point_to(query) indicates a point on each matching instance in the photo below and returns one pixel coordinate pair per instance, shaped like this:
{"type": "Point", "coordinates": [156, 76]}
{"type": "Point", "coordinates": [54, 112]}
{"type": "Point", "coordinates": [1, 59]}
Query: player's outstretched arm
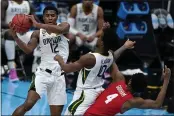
{"type": "Point", "coordinates": [116, 74]}
{"type": "Point", "coordinates": [27, 48]}
{"type": "Point", "coordinates": [127, 45]}
{"type": "Point", "coordinates": [100, 20]}
{"type": "Point", "coordinates": [62, 28]}
{"type": "Point", "coordinates": [144, 104]}
{"type": "Point", "coordinates": [87, 61]}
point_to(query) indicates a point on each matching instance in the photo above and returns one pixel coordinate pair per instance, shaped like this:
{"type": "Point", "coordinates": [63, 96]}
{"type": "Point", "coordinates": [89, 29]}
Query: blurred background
{"type": "Point", "coordinates": [150, 23]}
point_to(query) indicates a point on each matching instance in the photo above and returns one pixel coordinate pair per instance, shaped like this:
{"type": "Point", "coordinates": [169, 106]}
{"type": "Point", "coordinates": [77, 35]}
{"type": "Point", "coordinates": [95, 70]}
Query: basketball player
{"type": "Point", "coordinates": [8, 10]}
{"type": "Point", "coordinates": [92, 66]}
{"type": "Point", "coordinates": [118, 97]}
{"type": "Point", "coordinates": [85, 18]}
{"type": "Point", "coordinates": [48, 77]}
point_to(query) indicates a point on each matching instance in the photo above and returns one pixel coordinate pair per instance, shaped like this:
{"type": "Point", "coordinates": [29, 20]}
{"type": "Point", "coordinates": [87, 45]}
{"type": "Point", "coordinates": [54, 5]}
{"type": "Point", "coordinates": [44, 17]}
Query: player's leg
{"type": "Point", "coordinates": [37, 88]}
{"type": "Point", "coordinates": [56, 93]}
{"type": "Point", "coordinates": [31, 100]}
{"type": "Point", "coordinates": [56, 110]}
{"type": "Point", "coordinates": [85, 100]}
{"type": "Point", "coordinates": [10, 53]}
{"type": "Point", "coordinates": [91, 45]}
{"type": "Point", "coordinates": [77, 95]}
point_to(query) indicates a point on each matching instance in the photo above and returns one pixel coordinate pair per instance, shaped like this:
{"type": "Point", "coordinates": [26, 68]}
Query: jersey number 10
{"type": "Point", "coordinates": [102, 70]}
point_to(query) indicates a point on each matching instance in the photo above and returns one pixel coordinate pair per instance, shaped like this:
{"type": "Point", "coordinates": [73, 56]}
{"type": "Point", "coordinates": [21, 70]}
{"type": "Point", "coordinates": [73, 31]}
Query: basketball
{"type": "Point", "coordinates": [22, 23]}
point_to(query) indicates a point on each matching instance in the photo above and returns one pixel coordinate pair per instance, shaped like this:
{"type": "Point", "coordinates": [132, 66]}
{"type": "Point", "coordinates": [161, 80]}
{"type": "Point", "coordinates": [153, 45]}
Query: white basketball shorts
{"type": "Point", "coordinates": [54, 86]}
{"type": "Point", "coordinates": [82, 100]}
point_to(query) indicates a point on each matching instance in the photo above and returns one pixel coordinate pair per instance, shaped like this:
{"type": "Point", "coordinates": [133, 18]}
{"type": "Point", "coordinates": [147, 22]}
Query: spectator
{"type": "Point", "coordinates": [84, 20]}
{"type": "Point", "coordinates": [9, 9]}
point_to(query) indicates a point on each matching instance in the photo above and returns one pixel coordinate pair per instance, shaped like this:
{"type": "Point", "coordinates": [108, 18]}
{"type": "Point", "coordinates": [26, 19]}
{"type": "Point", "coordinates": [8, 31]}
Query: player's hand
{"type": "Point", "coordinates": [129, 44]}
{"type": "Point", "coordinates": [12, 30]}
{"type": "Point", "coordinates": [82, 37]}
{"type": "Point", "coordinates": [90, 38]}
{"type": "Point", "coordinates": [106, 25]}
{"type": "Point", "coordinates": [166, 73]}
{"type": "Point", "coordinates": [58, 58]}
{"type": "Point", "coordinates": [35, 23]}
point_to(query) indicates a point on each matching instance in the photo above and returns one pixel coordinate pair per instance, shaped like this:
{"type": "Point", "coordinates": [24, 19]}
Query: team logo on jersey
{"type": "Point", "coordinates": [43, 32]}
{"type": "Point", "coordinates": [53, 40]}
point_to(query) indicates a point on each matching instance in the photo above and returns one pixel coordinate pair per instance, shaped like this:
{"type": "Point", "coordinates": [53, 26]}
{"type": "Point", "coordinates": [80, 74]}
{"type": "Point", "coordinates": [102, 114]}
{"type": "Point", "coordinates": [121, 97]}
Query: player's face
{"type": "Point", "coordinates": [50, 17]}
{"type": "Point", "coordinates": [87, 3]}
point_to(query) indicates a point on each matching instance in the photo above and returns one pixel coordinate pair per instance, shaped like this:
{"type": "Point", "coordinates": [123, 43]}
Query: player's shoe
{"type": "Point", "coordinates": [13, 75]}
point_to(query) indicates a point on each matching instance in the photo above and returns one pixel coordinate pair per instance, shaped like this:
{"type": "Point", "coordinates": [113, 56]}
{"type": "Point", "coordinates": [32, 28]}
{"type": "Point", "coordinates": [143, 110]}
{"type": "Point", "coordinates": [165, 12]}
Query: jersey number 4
{"type": "Point", "coordinates": [109, 98]}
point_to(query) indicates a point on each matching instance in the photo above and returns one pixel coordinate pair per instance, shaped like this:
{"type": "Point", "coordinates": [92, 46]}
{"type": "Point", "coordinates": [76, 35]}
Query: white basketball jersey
{"type": "Point", "coordinates": [50, 45]}
{"type": "Point", "coordinates": [86, 24]}
{"type": "Point", "coordinates": [92, 78]}
{"type": "Point", "coordinates": [15, 8]}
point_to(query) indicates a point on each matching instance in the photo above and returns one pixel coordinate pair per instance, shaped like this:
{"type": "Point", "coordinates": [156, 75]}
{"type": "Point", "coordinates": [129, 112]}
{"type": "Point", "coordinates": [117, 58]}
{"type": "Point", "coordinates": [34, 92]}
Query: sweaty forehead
{"type": "Point", "coordinates": [50, 12]}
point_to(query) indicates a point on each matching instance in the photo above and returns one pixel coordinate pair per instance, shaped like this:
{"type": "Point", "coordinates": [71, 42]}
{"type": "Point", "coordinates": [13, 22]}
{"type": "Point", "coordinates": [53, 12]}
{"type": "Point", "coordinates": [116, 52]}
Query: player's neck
{"type": "Point", "coordinates": [101, 51]}
{"type": "Point", "coordinates": [87, 10]}
{"type": "Point", "coordinates": [18, 1]}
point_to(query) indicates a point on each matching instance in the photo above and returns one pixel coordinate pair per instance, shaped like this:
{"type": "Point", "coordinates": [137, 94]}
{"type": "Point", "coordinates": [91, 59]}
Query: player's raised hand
{"type": "Point", "coordinates": [166, 73]}
{"type": "Point", "coordinates": [106, 25]}
{"type": "Point", "coordinates": [129, 44]}
{"type": "Point", "coordinates": [35, 23]}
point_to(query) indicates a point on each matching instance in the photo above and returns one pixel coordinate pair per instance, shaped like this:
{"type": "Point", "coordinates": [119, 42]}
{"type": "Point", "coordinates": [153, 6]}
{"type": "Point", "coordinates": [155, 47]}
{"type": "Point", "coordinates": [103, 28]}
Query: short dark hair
{"type": "Point", "coordinates": [50, 8]}
{"type": "Point", "coordinates": [110, 39]}
{"type": "Point", "coordinates": [138, 83]}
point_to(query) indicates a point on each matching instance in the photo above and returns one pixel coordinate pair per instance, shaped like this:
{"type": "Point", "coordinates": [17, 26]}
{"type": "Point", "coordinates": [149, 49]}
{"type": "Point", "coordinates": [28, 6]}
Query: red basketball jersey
{"type": "Point", "coordinates": [110, 101]}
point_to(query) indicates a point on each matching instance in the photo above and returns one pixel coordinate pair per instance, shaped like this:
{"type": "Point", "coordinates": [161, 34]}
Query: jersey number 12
{"type": "Point", "coordinates": [110, 98]}
{"type": "Point", "coordinates": [54, 48]}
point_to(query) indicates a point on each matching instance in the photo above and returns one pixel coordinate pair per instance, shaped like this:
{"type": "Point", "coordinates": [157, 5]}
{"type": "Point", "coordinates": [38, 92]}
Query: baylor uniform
{"type": "Point", "coordinates": [49, 77]}
{"type": "Point", "coordinates": [89, 85]}
{"type": "Point", "coordinates": [15, 8]}
{"type": "Point", "coordinates": [86, 24]}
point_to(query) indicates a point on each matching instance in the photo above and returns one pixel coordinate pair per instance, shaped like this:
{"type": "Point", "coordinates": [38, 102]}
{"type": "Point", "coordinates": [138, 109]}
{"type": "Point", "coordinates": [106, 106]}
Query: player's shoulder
{"type": "Point", "coordinates": [36, 33]}
{"type": "Point", "coordinates": [100, 8]}
{"type": "Point", "coordinates": [88, 60]}
{"type": "Point", "coordinates": [88, 56]}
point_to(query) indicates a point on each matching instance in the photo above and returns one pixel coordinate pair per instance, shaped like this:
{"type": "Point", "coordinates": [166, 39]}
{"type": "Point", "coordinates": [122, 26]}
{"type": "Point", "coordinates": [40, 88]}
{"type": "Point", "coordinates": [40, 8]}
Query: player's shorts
{"type": "Point", "coordinates": [82, 100]}
{"type": "Point", "coordinates": [44, 82]}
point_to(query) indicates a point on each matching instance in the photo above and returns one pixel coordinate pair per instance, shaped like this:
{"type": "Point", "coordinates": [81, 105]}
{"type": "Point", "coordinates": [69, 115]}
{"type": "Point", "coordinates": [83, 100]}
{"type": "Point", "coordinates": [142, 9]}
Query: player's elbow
{"type": "Point", "coordinates": [66, 69]}
{"type": "Point", "coordinates": [157, 105]}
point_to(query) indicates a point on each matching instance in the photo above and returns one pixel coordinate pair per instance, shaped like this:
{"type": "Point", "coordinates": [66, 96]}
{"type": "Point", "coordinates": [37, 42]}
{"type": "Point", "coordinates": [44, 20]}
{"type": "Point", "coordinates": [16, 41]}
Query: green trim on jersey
{"type": "Point", "coordinates": [72, 108]}
{"type": "Point", "coordinates": [32, 85]}
{"type": "Point", "coordinates": [84, 74]}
